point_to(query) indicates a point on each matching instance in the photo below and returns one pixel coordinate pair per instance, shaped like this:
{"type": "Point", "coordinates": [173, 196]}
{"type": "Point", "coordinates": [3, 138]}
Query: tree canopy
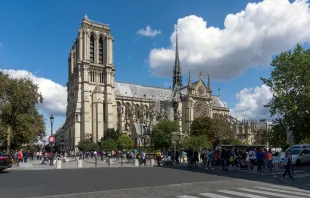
{"type": "Point", "coordinates": [108, 144]}
{"type": "Point", "coordinates": [124, 142]}
{"type": "Point", "coordinates": [162, 133]}
{"type": "Point", "coordinates": [290, 83]}
{"type": "Point", "coordinates": [197, 142]}
{"type": "Point", "coordinates": [18, 100]}
{"type": "Point", "coordinates": [219, 127]}
{"type": "Point", "coordinates": [87, 145]}
{"type": "Point", "coordinates": [111, 133]}
{"type": "Point", "coordinates": [202, 126]}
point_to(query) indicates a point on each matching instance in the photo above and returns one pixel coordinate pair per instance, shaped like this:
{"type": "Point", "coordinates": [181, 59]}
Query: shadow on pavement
{"type": "Point", "coordinates": [239, 174]}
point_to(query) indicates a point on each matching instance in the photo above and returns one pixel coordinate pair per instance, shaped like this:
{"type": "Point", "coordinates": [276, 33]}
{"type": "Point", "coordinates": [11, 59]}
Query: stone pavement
{"type": "Point", "coordinates": [72, 164]}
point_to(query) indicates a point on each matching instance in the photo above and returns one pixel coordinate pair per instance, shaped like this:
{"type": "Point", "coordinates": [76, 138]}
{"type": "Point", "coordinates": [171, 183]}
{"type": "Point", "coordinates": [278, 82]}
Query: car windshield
{"type": "Point", "coordinates": [294, 151]}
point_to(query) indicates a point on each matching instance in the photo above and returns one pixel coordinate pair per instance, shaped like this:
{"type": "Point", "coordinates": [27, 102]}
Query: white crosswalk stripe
{"type": "Point", "coordinates": [268, 173]}
{"type": "Point", "coordinates": [212, 195]}
{"type": "Point", "coordinates": [255, 192]}
{"type": "Point", "coordinates": [270, 193]}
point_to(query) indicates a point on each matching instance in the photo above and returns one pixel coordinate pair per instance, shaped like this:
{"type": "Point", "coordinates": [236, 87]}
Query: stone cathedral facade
{"type": "Point", "coordinates": [96, 102]}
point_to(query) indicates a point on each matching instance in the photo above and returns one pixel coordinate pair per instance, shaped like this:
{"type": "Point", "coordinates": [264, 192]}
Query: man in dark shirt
{"type": "Point", "coordinates": [190, 154]}
{"type": "Point", "coordinates": [260, 159]}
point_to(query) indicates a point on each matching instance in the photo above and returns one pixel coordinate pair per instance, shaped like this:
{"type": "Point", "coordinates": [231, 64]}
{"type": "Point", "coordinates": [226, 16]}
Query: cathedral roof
{"type": "Point", "coordinates": [154, 93]}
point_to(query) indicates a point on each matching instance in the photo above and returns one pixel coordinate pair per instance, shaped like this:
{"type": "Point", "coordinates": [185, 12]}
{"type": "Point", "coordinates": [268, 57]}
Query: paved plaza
{"type": "Point", "coordinates": [159, 182]}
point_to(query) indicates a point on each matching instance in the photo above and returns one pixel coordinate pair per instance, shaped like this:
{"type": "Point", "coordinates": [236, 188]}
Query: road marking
{"type": "Point", "coordinates": [280, 172]}
{"type": "Point", "coordinates": [241, 194]}
{"type": "Point", "coordinates": [269, 193]}
{"type": "Point", "coordinates": [302, 176]}
{"type": "Point", "coordinates": [212, 195]}
{"type": "Point", "coordinates": [289, 188]}
{"type": "Point", "coordinates": [284, 191]}
{"type": "Point", "coordinates": [150, 187]}
{"type": "Point", "coordinates": [186, 196]}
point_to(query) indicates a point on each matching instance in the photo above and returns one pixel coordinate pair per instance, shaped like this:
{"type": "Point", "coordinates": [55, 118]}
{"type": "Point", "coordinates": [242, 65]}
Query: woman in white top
{"type": "Point", "coordinates": [276, 161]}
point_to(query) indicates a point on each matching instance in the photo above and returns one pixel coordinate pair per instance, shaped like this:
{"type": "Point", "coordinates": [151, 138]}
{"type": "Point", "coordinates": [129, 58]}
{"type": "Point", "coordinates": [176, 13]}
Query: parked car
{"type": "Point", "coordinates": [299, 156]}
{"type": "Point", "coordinates": [5, 161]}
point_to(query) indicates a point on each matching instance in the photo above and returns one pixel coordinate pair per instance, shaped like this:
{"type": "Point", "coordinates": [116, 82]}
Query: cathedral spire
{"type": "Point", "coordinates": [177, 71]}
{"type": "Point", "coordinates": [189, 84]}
{"type": "Point", "coordinates": [209, 83]}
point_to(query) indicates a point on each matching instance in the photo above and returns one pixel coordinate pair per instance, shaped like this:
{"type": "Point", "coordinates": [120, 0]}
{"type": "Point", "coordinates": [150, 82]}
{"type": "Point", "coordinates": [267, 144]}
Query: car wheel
{"type": "Point", "coordinates": [298, 162]}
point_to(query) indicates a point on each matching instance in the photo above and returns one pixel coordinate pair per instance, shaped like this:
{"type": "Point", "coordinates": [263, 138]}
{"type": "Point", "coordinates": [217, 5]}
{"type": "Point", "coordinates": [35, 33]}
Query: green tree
{"type": "Point", "coordinates": [196, 142]}
{"type": "Point", "coordinates": [124, 142]}
{"type": "Point", "coordinates": [202, 126]}
{"type": "Point", "coordinates": [290, 83]}
{"type": "Point", "coordinates": [222, 129]}
{"type": "Point", "coordinates": [112, 134]}
{"type": "Point", "coordinates": [88, 145]}
{"type": "Point", "coordinates": [18, 100]}
{"type": "Point", "coordinates": [277, 136]}
{"type": "Point", "coordinates": [108, 144]}
{"type": "Point", "coordinates": [162, 133]}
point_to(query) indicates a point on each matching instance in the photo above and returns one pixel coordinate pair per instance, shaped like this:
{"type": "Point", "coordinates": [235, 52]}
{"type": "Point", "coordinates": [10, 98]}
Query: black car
{"type": "Point", "coordinates": [5, 161]}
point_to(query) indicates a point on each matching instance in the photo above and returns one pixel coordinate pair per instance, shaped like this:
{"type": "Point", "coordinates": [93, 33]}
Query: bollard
{"type": "Point", "coordinates": [122, 162]}
{"type": "Point", "coordinates": [136, 162]}
{"type": "Point", "coordinates": [79, 163]}
{"type": "Point", "coordinates": [110, 162]}
{"type": "Point", "coordinates": [151, 162]}
{"type": "Point", "coordinates": [58, 164]}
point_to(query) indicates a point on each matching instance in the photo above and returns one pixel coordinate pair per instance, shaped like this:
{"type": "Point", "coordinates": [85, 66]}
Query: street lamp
{"type": "Point", "coordinates": [52, 122]}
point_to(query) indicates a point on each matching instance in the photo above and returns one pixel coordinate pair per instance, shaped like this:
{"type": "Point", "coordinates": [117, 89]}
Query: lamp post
{"type": "Point", "coordinates": [52, 122]}
{"type": "Point", "coordinates": [52, 157]}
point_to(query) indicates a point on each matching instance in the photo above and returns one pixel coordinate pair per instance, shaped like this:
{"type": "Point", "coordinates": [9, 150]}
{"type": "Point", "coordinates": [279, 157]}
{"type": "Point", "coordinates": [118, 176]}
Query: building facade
{"type": "Point", "coordinates": [95, 102]}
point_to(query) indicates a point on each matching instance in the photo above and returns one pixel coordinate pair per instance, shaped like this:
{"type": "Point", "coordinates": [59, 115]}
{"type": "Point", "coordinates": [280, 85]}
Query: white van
{"type": "Point", "coordinates": [298, 146]}
{"type": "Point", "coordinates": [295, 149]}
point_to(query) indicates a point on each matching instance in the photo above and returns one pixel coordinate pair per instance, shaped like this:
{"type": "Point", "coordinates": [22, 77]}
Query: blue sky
{"type": "Point", "coordinates": [37, 35]}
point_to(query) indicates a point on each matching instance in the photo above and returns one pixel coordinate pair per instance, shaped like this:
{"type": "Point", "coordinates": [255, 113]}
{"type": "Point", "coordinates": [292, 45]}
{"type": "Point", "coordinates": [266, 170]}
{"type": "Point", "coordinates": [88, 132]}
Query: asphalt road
{"type": "Point", "coordinates": [128, 182]}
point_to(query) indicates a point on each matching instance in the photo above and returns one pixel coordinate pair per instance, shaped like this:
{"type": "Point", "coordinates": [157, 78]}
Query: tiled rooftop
{"type": "Point", "coordinates": [153, 93]}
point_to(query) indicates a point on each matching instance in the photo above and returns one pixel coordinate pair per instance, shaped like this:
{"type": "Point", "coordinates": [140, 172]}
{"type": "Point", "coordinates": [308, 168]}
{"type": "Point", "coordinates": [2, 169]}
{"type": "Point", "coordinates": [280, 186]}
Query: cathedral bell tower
{"type": "Point", "coordinates": [91, 95]}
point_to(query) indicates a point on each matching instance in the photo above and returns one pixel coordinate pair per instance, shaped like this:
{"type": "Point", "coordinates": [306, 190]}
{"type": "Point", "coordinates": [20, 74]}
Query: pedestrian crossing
{"type": "Point", "coordinates": [270, 173]}
{"type": "Point", "coordinates": [254, 192]}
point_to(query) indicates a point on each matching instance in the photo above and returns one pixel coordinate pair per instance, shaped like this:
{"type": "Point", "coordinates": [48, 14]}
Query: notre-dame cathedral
{"type": "Point", "coordinates": [96, 102]}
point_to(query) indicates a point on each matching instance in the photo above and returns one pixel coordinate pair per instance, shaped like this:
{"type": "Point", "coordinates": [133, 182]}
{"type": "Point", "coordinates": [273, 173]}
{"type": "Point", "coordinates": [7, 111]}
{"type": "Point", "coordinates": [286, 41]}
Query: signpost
{"type": "Point", "coordinates": [51, 140]}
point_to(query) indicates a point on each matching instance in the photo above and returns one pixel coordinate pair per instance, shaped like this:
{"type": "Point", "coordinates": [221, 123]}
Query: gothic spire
{"type": "Point", "coordinates": [209, 83]}
{"type": "Point", "coordinates": [177, 71]}
{"type": "Point", "coordinates": [189, 84]}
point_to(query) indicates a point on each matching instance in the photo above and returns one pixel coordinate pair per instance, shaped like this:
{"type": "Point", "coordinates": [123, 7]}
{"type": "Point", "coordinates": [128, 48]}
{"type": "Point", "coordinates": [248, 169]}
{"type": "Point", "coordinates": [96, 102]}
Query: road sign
{"type": "Point", "coordinates": [51, 139]}
{"type": "Point", "coordinates": [212, 140]}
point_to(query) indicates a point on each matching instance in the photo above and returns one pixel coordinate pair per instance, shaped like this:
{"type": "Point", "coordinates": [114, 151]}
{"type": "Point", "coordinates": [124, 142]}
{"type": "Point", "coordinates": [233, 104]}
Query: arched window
{"type": "Point", "coordinates": [100, 51]}
{"type": "Point", "coordinates": [91, 49]}
{"type": "Point", "coordinates": [101, 77]}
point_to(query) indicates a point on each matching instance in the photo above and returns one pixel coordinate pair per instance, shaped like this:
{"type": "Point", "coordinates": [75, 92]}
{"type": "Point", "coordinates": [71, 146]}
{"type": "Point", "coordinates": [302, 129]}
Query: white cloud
{"type": "Point", "coordinates": [54, 94]}
{"type": "Point", "coordinates": [148, 32]}
{"type": "Point", "coordinates": [251, 103]}
{"type": "Point", "coordinates": [249, 38]}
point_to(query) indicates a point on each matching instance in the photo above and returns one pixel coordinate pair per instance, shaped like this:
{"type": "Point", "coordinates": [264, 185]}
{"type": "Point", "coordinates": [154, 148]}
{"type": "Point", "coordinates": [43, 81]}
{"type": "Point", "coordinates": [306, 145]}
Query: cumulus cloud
{"type": "Point", "coordinates": [148, 32]}
{"type": "Point", "coordinates": [54, 94]}
{"type": "Point", "coordinates": [249, 38]}
{"type": "Point", "coordinates": [251, 103]}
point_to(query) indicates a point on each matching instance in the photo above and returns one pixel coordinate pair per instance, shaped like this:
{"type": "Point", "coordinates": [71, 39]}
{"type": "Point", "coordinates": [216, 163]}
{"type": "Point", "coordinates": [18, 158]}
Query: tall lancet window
{"type": "Point", "coordinates": [101, 77]}
{"type": "Point", "coordinates": [91, 49]}
{"type": "Point", "coordinates": [100, 51]}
